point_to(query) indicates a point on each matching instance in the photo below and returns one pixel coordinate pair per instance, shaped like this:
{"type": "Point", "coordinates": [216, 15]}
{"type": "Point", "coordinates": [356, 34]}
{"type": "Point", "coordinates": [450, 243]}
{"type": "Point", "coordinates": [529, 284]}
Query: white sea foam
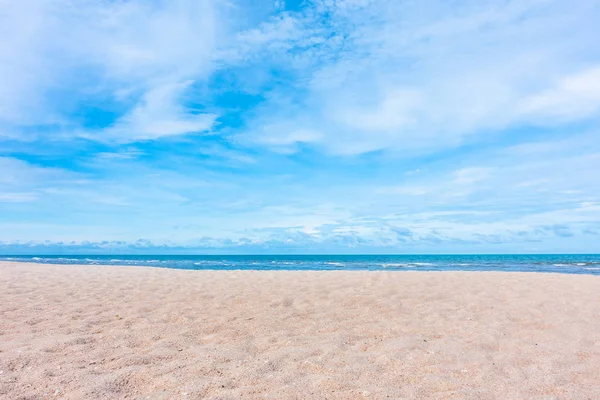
{"type": "Point", "coordinates": [398, 265]}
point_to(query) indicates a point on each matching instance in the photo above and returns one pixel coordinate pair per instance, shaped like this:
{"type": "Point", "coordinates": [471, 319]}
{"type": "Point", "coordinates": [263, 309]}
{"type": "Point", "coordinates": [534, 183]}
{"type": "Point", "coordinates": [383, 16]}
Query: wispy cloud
{"type": "Point", "coordinates": [159, 113]}
{"type": "Point", "coordinates": [400, 76]}
{"type": "Point", "coordinates": [136, 55]}
{"type": "Point", "coordinates": [573, 98]}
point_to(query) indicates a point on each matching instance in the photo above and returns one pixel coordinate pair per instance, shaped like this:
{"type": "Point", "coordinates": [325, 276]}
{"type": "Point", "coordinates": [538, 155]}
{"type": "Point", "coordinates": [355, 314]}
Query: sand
{"type": "Point", "coordinates": [92, 332]}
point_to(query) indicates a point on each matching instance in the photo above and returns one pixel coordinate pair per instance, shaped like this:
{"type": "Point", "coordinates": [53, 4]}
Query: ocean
{"type": "Point", "coordinates": [569, 264]}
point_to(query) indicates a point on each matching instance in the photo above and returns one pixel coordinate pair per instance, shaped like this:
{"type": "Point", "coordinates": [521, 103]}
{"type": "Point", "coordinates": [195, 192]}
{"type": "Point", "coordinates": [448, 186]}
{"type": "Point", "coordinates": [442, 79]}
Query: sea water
{"type": "Point", "coordinates": [571, 264]}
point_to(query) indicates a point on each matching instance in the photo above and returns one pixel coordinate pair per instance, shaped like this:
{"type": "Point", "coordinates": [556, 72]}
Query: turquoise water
{"type": "Point", "coordinates": [570, 264]}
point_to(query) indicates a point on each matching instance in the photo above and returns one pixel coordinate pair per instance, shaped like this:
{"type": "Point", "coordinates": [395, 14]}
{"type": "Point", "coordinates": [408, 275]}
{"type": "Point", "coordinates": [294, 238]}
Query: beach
{"type": "Point", "coordinates": [109, 332]}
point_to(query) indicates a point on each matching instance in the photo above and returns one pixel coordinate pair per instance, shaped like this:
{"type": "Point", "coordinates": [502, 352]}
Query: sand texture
{"type": "Point", "coordinates": [90, 332]}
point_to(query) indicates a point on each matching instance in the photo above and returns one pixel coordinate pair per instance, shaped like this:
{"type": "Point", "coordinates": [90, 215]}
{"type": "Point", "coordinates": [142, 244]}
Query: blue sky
{"type": "Point", "coordinates": [331, 126]}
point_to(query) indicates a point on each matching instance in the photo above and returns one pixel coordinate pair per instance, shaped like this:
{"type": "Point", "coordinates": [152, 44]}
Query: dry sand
{"type": "Point", "coordinates": [89, 332]}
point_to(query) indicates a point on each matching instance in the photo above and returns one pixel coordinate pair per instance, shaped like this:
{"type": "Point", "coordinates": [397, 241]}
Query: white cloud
{"type": "Point", "coordinates": [574, 97]}
{"type": "Point", "coordinates": [425, 77]}
{"type": "Point", "coordinates": [138, 54]}
{"type": "Point", "coordinates": [404, 190]}
{"type": "Point", "coordinates": [285, 138]}
{"type": "Point", "coordinates": [480, 202]}
{"type": "Point", "coordinates": [159, 113]}
{"type": "Point", "coordinates": [396, 111]}
{"type": "Point", "coordinates": [17, 197]}
{"type": "Point", "coordinates": [369, 76]}
{"type": "Point", "coordinates": [20, 182]}
{"type": "Point", "coordinates": [18, 173]}
{"type": "Point", "coordinates": [471, 175]}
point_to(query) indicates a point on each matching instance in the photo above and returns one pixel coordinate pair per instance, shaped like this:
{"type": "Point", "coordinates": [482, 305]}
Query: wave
{"type": "Point", "coordinates": [399, 265]}
{"type": "Point", "coordinates": [576, 264]}
{"type": "Point", "coordinates": [563, 264]}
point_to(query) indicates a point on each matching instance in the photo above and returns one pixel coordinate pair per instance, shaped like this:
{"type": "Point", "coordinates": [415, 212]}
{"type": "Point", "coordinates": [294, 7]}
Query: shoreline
{"type": "Point", "coordinates": [341, 269]}
{"type": "Point", "coordinates": [92, 332]}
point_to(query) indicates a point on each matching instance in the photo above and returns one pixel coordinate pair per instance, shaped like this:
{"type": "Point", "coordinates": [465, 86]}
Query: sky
{"type": "Point", "coordinates": [325, 126]}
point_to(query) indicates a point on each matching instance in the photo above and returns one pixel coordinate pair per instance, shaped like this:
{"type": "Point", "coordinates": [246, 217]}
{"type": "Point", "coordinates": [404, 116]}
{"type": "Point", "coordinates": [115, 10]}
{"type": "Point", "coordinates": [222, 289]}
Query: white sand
{"type": "Point", "coordinates": [83, 332]}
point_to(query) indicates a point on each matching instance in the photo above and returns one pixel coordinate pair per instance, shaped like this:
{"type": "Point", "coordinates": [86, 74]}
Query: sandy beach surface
{"type": "Point", "coordinates": [90, 332]}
